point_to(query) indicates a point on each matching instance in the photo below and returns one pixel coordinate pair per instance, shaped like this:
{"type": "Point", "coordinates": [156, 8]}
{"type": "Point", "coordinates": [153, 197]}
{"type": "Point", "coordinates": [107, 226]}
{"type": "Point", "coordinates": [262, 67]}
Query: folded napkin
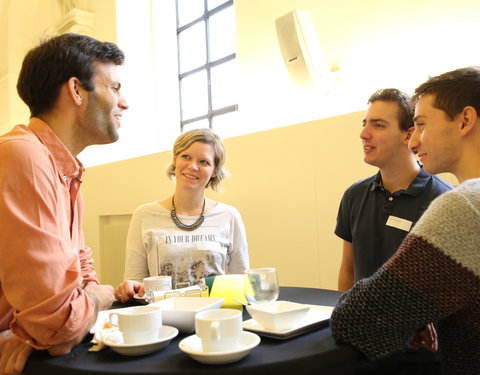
{"type": "Point", "coordinates": [107, 329]}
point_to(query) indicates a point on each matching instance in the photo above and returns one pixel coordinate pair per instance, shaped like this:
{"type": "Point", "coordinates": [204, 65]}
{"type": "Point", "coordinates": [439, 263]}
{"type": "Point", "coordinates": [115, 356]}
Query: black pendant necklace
{"type": "Point", "coordinates": [182, 226]}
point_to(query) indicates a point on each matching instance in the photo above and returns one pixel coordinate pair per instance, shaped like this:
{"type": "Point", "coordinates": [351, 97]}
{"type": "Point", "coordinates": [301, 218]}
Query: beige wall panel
{"type": "Point", "coordinates": [273, 187]}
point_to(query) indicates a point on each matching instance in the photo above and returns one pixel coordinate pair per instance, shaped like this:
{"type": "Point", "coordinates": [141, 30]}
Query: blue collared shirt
{"type": "Point", "coordinates": [367, 206]}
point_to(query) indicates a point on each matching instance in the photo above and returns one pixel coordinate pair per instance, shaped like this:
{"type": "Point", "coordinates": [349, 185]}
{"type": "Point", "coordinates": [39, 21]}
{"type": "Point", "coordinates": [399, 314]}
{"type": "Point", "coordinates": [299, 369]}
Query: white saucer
{"type": "Point", "coordinates": [136, 296]}
{"type": "Point", "coordinates": [193, 347]}
{"type": "Point", "coordinates": [115, 341]}
{"type": "Point", "coordinates": [142, 300]}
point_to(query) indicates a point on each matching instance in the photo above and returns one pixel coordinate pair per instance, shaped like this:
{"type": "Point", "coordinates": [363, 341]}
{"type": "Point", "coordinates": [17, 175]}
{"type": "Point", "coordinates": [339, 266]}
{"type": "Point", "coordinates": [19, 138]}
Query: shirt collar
{"type": "Point", "coordinates": [414, 189]}
{"type": "Point", "coordinates": [376, 182]}
{"type": "Point", "coordinates": [419, 182]}
{"type": "Point", "coordinates": [67, 164]}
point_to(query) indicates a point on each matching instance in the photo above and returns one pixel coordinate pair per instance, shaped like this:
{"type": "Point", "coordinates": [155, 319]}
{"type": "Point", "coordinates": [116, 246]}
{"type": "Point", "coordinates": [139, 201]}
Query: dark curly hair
{"type": "Point", "coordinates": [54, 61]}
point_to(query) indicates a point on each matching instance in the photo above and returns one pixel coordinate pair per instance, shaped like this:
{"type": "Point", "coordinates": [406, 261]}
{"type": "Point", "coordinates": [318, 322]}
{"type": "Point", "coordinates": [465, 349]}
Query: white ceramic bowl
{"type": "Point", "coordinates": [278, 315]}
{"type": "Point", "coordinates": [180, 312]}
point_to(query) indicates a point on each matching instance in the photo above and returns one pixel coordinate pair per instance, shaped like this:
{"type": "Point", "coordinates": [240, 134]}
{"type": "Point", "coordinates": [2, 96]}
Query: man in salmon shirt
{"type": "Point", "coordinates": [49, 292]}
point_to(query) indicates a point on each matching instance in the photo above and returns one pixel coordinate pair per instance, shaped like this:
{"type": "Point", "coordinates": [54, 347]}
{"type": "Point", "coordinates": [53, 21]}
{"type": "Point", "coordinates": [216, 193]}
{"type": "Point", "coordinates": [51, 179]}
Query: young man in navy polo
{"type": "Point", "coordinates": [376, 213]}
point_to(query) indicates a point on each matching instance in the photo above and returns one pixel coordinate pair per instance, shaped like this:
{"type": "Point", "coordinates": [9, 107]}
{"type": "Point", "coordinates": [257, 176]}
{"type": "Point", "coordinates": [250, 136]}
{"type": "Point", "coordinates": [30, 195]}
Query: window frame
{"type": "Point", "coordinates": [211, 113]}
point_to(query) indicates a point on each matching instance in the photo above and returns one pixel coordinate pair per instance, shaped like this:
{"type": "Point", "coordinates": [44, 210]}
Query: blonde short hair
{"type": "Point", "coordinates": [207, 136]}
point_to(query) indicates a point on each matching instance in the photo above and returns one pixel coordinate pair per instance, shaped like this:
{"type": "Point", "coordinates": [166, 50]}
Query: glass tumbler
{"type": "Point", "coordinates": [261, 285]}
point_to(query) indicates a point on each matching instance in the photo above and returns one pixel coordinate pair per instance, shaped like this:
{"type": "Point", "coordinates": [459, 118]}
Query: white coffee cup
{"type": "Point", "coordinates": [219, 329]}
{"type": "Point", "coordinates": [138, 324]}
{"type": "Point", "coordinates": [157, 283]}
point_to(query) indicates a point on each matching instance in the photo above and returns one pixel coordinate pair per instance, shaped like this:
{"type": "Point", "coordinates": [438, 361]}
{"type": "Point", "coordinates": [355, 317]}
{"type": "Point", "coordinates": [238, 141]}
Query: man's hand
{"type": "Point", "coordinates": [126, 290]}
{"type": "Point", "coordinates": [103, 297]}
{"type": "Point", "coordinates": [427, 338]}
{"type": "Point", "coordinates": [13, 353]}
{"type": "Point", "coordinates": [101, 294]}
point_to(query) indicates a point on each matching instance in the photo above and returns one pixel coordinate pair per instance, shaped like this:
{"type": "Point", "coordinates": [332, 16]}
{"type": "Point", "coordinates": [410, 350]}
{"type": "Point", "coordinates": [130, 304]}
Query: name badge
{"type": "Point", "coordinates": [399, 223]}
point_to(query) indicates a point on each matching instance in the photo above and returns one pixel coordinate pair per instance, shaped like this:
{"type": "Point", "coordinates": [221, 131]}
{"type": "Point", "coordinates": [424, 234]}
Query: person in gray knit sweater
{"type": "Point", "coordinates": [432, 283]}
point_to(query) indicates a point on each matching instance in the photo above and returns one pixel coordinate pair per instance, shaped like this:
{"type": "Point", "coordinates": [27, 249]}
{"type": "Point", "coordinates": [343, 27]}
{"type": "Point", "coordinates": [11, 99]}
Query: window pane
{"type": "Point", "coordinates": [189, 10]}
{"type": "Point", "coordinates": [192, 47]}
{"type": "Point", "coordinates": [222, 34]}
{"type": "Point", "coordinates": [195, 125]}
{"type": "Point", "coordinates": [215, 3]}
{"type": "Point", "coordinates": [226, 125]}
{"type": "Point", "coordinates": [194, 95]}
{"type": "Point", "coordinates": [224, 84]}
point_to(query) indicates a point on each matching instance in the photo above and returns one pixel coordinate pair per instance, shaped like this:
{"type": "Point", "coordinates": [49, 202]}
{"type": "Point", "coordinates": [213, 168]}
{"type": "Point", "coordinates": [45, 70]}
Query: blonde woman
{"type": "Point", "coordinates": [186, 236]}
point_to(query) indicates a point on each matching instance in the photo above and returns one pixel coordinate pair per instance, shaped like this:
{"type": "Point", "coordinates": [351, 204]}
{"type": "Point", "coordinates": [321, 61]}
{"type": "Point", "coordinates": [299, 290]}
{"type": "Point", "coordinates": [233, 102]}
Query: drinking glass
{"type": "Point", "coordinates": [261, 285]}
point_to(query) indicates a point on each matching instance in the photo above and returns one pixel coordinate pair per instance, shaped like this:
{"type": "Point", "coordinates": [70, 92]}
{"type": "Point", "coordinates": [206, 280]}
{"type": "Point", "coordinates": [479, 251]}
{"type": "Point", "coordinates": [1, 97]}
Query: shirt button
{"type": "Point", "coordinates": [390, 199]}
{"type": "Point", "coordinates": [64, 178]}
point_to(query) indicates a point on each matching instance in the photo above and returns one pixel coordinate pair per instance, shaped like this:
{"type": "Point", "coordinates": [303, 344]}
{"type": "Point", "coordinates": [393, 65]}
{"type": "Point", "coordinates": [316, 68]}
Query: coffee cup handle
{"type": "Point", "coordinates": [114, 323]}
{"type": "Point", "coordinates": [215, 330]}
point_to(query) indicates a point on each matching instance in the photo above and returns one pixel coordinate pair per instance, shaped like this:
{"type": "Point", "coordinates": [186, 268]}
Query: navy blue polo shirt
{"type": "Point", "coordinates": [367, 206]}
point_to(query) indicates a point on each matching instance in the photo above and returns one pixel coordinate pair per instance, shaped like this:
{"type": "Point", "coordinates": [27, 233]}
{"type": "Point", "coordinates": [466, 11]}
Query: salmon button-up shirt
{"type": "Point", "coordinates": [44, 262]}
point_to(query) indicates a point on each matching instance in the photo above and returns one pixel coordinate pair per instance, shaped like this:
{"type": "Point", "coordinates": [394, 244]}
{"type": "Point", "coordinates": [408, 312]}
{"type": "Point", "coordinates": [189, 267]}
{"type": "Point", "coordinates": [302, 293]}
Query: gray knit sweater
{"type": "Point", "coordinates": [433, 277]}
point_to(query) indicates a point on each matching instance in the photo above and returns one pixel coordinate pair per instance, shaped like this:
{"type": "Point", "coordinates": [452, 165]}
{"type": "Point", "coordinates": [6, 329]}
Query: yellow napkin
{"type": "Point", "coordinates": [227, 287]}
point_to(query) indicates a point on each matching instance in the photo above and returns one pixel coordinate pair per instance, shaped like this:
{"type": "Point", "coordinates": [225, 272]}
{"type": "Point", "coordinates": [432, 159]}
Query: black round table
{"type": "Point", "coordinates": [314, 352]}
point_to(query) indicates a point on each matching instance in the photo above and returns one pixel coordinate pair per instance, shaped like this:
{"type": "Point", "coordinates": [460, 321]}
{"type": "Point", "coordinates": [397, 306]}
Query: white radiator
{"type": "Point", "coordinates": [113, 236]}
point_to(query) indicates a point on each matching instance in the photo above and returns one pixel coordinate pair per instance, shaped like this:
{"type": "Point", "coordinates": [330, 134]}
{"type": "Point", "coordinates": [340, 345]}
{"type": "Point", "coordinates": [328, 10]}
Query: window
{"type": "Point", "coordinates": [206, 63]}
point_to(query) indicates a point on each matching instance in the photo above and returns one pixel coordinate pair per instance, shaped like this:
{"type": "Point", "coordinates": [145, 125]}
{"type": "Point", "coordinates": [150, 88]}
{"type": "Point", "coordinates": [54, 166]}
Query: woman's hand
{"type": "Point", "coordinates": [126, 290]}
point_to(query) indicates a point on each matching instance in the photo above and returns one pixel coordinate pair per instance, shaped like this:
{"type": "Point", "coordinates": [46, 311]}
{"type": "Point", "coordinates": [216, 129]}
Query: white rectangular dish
{"type": "Point", "coordinates": [318, 316]}
{"type": "Point", "coordinates": [179, 312]}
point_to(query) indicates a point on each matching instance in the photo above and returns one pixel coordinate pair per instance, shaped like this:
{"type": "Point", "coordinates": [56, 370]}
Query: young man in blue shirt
{"type": "Point", "coordinates": [376, 213]}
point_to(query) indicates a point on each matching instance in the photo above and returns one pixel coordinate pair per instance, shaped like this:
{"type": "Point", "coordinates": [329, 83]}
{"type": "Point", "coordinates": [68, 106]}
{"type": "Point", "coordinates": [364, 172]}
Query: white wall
{"type": "Point", "coordinates": [374, 43]}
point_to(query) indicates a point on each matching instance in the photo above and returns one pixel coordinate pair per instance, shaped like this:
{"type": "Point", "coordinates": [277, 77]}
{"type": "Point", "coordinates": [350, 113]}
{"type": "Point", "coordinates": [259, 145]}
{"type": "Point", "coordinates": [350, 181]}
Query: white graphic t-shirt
{"type": "Point", "coordinates": [156, 246]}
